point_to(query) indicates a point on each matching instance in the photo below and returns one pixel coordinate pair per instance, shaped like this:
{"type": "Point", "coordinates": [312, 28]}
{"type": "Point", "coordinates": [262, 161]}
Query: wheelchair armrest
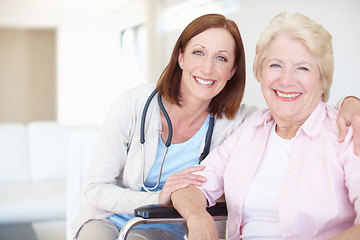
{"type": "Point", "coordinates": [150, 214]}
{"type": "Point", "coordinates": [160, 211]}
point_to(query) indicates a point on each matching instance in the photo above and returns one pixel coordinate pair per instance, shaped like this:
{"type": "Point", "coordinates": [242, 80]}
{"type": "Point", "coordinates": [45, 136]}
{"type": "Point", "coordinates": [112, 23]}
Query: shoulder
{"type": "Point", "coordinates": [139, 92]}
{"type": "Point", "coordinates": [259, 120]}
{"type": "Point", "coordinates": [134, 97]}
{"type": "Point", "coordinates": [225, 127]}
{"type": "Point", "coordinates": [129, 104]}
{"type": "Point", "coordinates": [259, 117]}
{"type": "Point", "coordinates": [242, 113]}
{"type": "Point", "coordinates": [326, 129]}
{"type": "Point", "coordinates": [329, 124]}
{"type": "Point", "coordinates": [331, 128]}
{"type": "Point", "coordinates": [344, 151]}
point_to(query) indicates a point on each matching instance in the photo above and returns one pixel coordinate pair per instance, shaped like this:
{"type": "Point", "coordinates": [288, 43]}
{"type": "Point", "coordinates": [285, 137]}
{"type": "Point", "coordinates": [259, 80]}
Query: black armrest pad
{"type": "Point", "coordinates": [160, 211]}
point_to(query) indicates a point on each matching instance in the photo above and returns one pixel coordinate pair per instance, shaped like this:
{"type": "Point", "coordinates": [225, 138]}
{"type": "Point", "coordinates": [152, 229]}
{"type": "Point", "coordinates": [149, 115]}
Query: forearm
{"type": "Point", "coordinates": [339, 104]}
{"type": "Point", "coordinates": [189, 201]}
{"type": "Point", "coordinates": [352, 233]}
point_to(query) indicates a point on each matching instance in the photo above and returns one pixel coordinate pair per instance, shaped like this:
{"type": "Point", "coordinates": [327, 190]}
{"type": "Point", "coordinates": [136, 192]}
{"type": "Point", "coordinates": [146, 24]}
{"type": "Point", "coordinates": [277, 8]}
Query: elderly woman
{"type": "Point", "coordinates": [283, 172]}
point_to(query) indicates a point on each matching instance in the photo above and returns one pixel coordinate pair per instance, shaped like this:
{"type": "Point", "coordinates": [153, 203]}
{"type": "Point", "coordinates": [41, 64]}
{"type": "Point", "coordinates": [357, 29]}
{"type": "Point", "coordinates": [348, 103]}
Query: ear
{"type": "Point", "coordinates": [232, 73]}
{"type": "Point", "coordinates": [181, 59]}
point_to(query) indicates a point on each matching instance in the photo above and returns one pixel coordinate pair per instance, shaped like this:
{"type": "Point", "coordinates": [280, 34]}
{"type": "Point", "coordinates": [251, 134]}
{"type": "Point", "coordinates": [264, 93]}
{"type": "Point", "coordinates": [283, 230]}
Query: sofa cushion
{"type": "Point", "coordinates": [13, 153]}
{"type": "Point", "coordinates": [29, 202]}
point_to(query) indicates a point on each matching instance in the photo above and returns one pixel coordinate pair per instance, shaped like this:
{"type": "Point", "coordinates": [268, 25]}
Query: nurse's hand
{"type": "Point", "coordinates": [349, 114]}
{"type": "Point", "coordinates": [180, 180]}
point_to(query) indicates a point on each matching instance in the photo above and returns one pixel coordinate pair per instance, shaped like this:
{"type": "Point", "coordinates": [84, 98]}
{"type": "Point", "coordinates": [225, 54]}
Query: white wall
{"type": "Point", "coordinates": [89, 74]}
{"type": "Point", "coordinates": [88, 50]}
{"type": "Point", "coordinates": [89, 61]}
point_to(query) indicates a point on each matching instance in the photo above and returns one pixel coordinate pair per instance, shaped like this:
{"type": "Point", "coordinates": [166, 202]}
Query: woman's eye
{"type": "Point", "coordinates": [198, 53]}
{"type": "Point", "coordinates": [275, 65]}
{"type": "Point", "coordinates": [303, 68]}
{"type": "Point", "coordinates": [221, 58]}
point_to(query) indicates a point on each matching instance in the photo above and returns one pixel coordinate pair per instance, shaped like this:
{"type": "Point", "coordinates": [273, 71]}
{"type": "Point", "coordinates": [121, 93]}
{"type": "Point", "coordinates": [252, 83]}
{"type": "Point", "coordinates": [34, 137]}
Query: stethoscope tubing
{"type": "Point", "coordinates": [143, 117]}
{"type": "Point", "coordinates": [205, 152]}
{"type": "Point", "coordinates": [142, 138]}
{"type": "Point", "coordinates": [166, 115]}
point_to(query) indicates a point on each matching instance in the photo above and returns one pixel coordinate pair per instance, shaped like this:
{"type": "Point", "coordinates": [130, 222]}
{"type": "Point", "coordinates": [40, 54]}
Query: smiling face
{"type": "Point", "coordinates": [290, 80]}
{"type": "Point", "coordinates": [207, 63]}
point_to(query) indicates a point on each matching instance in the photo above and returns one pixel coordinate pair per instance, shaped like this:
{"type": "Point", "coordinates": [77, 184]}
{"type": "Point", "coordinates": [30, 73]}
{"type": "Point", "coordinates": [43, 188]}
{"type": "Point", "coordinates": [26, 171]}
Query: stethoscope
{"type": "Point", "coordinates": [168, 141]}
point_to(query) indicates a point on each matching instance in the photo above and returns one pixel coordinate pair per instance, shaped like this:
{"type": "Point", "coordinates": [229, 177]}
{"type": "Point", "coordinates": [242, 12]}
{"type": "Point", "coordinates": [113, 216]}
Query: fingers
{"type": "Point", "coordinates": [341, 123]}
{"type": "Point", "coordinates": [356, 136]}
{"type": "Point", "coordinates": [181, 180]}
{"type": "Point", "coordinates": [187, 174]}
{"type": "Point", "coordinates": [189, 178]}
{"type": "Point", "coordinates": [165, 193]}
{"type": "Point", "coordinates": [357, 145]}
{"type": "Point", "coordinates": [193, 169]}
{"type": "Point", "coordinates": [349, 114]}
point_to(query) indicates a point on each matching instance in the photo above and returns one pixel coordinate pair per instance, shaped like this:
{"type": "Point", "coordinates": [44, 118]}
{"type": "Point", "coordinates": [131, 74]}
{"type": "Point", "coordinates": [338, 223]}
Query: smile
{"type": "Point", "coordinates": [287, 95]}
{"type": "Point", "coordinates": [204, 82]}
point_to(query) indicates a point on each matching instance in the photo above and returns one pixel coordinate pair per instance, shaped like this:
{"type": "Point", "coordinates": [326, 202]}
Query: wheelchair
{"type": "Point", "coordinates": [157, 213]}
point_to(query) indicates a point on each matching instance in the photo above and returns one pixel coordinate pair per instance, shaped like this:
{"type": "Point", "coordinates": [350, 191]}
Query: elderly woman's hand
{"type": "Point", "coordinates": [350, 115]}
{"type": "Point", "coordinates": [202, 227]}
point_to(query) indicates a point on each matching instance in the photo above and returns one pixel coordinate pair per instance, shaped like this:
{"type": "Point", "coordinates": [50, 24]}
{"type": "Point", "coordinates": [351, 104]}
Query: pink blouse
{"type": "Point", "coordinates": [320, 196]}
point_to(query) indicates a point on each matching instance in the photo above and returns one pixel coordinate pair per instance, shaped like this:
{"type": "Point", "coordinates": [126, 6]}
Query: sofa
{"type": "Point", "coordinates": [34, 162]}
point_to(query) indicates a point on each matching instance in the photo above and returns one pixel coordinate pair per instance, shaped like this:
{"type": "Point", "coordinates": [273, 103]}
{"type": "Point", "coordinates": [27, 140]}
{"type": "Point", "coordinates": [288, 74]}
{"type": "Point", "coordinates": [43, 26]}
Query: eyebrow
{"type": "Point", "coordinates": [225, 52]}
{"type": "Point", "coordinates": [298, 63]}
{"type": "Point", "coordinates": [221, 51]}
{"type": "Point", "coordinates": [274, 59]}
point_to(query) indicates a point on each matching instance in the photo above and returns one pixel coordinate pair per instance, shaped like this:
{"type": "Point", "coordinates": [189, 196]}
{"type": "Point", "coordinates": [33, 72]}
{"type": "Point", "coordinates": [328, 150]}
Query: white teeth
{"type": "Point", "coordinates": [287, 95]}
{"type": "Point", "coordinates": [204, 82]}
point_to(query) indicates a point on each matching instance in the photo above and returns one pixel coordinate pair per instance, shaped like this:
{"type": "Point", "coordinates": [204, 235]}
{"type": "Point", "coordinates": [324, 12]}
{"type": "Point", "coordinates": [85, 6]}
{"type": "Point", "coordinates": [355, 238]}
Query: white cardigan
{"type": "Point", "coordinates": [114, 176]}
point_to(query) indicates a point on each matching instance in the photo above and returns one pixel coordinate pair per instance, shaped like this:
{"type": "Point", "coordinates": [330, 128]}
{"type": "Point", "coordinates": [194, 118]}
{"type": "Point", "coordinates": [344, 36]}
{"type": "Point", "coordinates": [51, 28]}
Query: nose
{"type": "Point", "coordinates": [287, 77]}
{"type": "Point", "coordinates": [207, 65]}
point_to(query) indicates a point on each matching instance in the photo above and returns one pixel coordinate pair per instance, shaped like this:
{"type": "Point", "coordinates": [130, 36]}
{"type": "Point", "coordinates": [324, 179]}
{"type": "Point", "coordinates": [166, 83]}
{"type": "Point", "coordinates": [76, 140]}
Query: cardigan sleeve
{"type": "Point", "coordinates": [103, 187]}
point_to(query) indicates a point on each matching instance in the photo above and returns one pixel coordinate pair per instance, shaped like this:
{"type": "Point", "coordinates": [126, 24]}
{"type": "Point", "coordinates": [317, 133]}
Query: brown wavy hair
{"type": "Point", "coordinates": [228, 100]}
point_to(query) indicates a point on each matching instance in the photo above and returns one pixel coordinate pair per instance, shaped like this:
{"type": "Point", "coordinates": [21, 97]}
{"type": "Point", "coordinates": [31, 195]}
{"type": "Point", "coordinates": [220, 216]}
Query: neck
{"type": "Point", "coordinates": [186, 120]}
{"type": "Point", "coordinates": [287, 131]}
{"type": "Point", "coordinates": [187, 113]}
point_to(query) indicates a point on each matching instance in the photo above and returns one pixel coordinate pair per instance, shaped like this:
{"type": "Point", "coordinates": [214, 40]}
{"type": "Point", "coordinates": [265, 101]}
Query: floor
{"type": "Point", "coordinates": [54, 230]}
{"type": "Point", "coordinates": [17, 232]}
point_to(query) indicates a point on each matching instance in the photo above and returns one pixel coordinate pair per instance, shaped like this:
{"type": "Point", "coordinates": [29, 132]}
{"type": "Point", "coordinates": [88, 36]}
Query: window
{"type": "Point", "coordinates": [133, 53]}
